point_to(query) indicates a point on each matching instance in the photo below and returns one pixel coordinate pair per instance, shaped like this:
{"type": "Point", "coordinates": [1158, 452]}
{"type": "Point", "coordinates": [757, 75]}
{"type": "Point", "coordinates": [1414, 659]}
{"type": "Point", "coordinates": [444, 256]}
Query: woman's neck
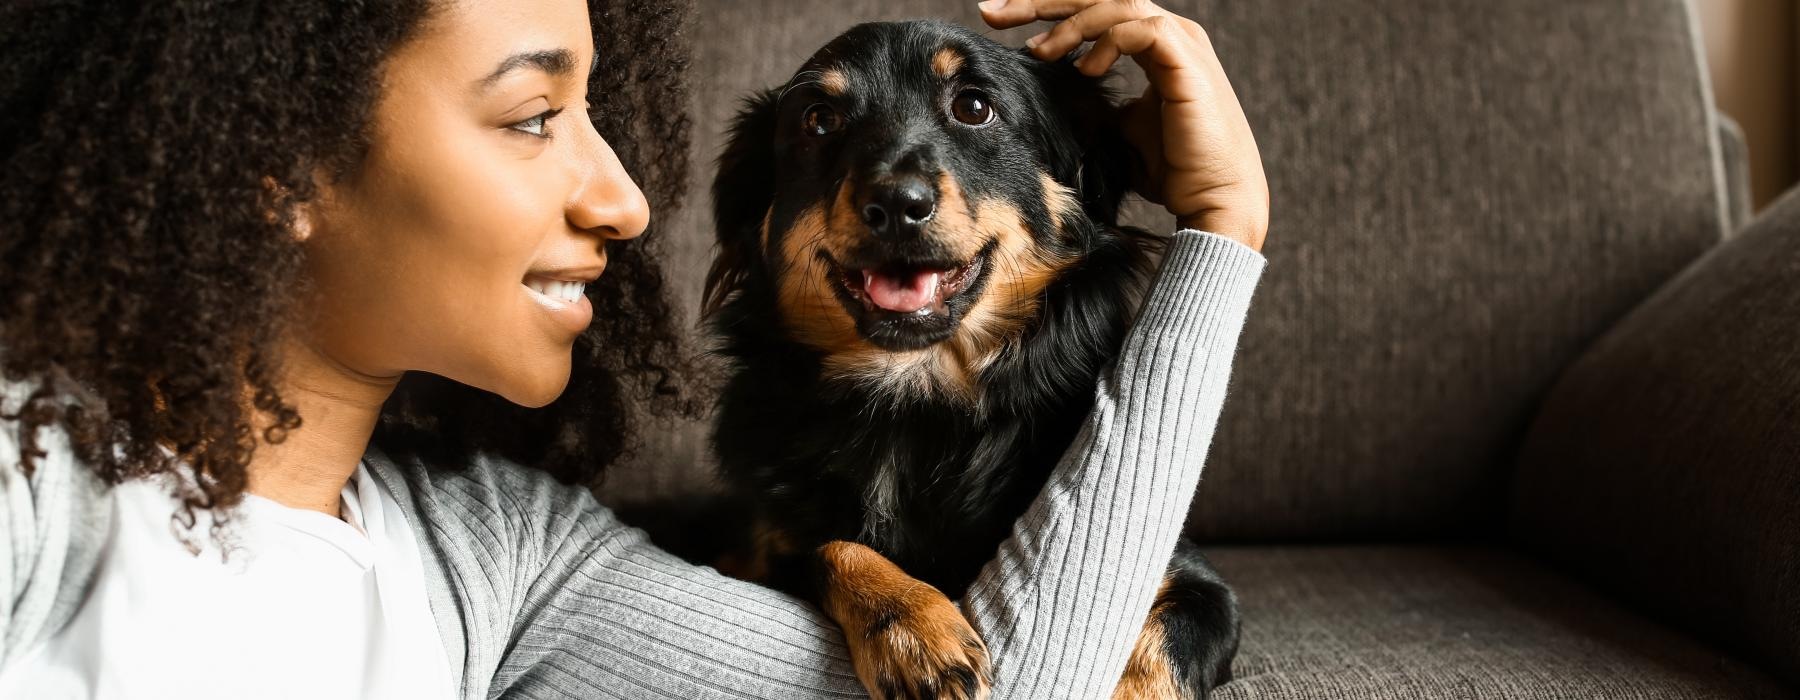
{"type": "Point", "coordinates": [338, 407]}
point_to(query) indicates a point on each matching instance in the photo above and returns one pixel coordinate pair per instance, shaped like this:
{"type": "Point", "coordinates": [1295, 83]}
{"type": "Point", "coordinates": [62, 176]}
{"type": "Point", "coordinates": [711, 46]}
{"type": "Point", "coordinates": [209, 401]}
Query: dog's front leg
{"type": "Point", "coordinates": [907, 640]}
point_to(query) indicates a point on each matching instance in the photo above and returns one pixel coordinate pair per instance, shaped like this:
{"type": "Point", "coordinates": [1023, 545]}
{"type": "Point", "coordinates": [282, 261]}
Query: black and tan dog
{"type": "Point", "coordinates": [919, 279]}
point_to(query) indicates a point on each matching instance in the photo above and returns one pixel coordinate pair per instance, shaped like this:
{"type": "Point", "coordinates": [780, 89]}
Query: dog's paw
{"type": "Point", "coordinates": [907, 640]}
{"type": "Point", "coordinates": [921, 647]}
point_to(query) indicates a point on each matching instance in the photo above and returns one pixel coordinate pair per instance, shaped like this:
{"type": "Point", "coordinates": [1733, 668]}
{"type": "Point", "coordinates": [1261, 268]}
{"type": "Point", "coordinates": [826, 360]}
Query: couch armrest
{"type": "Point", "coordinates": [1665, 464]}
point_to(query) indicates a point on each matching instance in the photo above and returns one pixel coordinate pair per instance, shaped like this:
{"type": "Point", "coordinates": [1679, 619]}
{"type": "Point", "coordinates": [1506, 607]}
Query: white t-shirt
{"type": "Point", "coordinates": [303, 605]}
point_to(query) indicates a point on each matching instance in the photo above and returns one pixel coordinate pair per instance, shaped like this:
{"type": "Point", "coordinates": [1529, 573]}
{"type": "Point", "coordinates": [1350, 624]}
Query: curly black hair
{"type": "Point", "coordinates": [151, 157]}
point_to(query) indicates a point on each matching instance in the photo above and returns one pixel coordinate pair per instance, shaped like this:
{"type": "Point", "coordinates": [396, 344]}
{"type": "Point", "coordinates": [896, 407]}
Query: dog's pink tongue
{"type": "Point", "coordinates": [905, 292]}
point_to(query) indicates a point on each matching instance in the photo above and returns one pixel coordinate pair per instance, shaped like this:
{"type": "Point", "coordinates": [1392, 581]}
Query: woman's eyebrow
{"type": "Point", "coordinates": [556, 62]}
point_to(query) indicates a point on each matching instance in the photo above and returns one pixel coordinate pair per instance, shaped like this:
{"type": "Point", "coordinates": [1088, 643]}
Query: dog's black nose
{"type": "Point", "coordinates": [899, 207]}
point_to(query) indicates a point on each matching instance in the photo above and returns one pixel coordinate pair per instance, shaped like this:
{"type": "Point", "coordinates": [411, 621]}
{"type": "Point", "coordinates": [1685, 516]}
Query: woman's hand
{"type": "Point", "coordinates": [1202, 159]}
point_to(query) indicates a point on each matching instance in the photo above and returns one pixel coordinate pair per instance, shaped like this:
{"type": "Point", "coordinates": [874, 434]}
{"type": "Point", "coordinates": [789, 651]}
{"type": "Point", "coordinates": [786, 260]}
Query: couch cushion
{"type": "Point", "coordinates": [1398, 623]}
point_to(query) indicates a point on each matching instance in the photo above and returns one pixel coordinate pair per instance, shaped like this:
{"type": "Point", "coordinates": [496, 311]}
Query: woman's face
{"type": "Point", "coordinates": [461, 243]}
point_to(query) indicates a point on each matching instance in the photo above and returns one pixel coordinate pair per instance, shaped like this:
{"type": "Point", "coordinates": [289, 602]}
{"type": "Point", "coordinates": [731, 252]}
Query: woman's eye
{"type": "Point", "coordinates": [537, 125]}
{"type": "Point", "coordinates": [972, 108]}
{"type": "Point", "coordinates": [821, 119]}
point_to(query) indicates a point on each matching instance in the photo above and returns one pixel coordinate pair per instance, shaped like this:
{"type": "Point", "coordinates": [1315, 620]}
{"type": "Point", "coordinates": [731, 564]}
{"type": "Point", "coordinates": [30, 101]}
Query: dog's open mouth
{"type": "Point", "coordinates": [909, 303]}
{"type": "Point", "coordinates": [910, 289]}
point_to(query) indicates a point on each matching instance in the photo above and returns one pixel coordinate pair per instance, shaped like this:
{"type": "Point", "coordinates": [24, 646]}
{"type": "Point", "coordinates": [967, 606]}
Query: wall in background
{"type": "Point", "coordinates": [1752, 53]}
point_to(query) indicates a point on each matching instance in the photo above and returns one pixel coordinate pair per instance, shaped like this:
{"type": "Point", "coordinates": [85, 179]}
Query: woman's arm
{"type": "Point", "coordinates": [1136, 462]}
{"type": "Point", "coordinates": [559, 598]}
{"type": "Point", "coordinates": [1062, 604]}
{"type": "Point", "coordinates": [540, 592]}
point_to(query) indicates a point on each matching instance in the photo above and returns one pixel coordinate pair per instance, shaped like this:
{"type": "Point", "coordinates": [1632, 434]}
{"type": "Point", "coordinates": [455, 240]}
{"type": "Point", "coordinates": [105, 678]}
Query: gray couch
{"type": "Point", "coordinates": [1517, 411]}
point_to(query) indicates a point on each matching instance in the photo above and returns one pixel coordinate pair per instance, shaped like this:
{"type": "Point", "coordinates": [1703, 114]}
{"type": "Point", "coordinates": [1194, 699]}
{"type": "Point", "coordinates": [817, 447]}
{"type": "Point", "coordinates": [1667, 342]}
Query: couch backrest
{"type": "Point", "coordinates": [1465, 194]}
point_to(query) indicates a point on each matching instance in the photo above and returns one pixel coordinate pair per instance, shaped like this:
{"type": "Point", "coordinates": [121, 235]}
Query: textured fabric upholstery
{"type": "Point", "coordinates": [1666, 464]}
{"type": "Point", "coordinates": [1465, 194]}
{"type": "Point", "coordinates": [1390, 623]}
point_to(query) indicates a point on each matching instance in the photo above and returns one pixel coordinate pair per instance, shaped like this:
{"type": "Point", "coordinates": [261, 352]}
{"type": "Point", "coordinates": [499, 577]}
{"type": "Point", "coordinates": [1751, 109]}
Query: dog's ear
{"type": "Point", "coordinates": [1088, 149]}
{"type": "Point", "coordinates": [743, 190]}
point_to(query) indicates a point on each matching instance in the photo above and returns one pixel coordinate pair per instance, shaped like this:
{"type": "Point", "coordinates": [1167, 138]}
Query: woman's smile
{"type": "Point", "coordinates": [563, 295]}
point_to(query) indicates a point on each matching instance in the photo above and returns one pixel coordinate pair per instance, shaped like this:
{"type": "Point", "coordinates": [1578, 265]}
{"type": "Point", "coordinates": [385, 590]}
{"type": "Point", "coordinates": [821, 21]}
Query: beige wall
{"type": "Point", "coordinates": [1752, 53]}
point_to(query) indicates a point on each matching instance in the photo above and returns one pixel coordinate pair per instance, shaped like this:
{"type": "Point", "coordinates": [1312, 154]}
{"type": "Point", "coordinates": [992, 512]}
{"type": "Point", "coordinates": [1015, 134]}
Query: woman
{"type": "Point", "coordinates": [228, 231]}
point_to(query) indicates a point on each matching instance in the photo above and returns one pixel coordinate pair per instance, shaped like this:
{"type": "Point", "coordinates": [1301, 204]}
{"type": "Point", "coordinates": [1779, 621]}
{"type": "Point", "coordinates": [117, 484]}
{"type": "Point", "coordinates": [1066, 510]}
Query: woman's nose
{"type": "Point", "coordinates": [607, 201]}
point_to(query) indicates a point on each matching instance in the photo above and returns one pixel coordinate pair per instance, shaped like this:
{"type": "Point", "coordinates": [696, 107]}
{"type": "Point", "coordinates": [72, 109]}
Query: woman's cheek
{"type": "Point", "coordinates": [510, 219]}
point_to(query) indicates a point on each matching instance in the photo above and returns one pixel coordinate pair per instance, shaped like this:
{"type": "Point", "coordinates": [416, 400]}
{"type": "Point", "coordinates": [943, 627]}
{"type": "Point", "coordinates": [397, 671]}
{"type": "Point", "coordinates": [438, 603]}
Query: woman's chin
{"type": "Point", "coordinates": [537, 389]}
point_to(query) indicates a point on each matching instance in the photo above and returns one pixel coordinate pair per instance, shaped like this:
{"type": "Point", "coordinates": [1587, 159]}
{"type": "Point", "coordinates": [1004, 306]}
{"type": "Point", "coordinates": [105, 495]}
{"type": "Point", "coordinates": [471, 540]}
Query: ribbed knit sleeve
{"type": "Point", "coordinates": [1062, 604]}
{"type": "Point", "coordinates": [540, 592]}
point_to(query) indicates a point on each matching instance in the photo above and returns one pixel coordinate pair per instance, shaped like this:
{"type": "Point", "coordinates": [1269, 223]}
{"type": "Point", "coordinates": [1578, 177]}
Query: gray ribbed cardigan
{"type": "Point", "coordinates": [540, 592]}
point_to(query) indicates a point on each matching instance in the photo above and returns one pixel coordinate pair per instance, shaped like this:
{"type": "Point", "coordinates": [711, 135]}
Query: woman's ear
{"type": "Point", "coordinates": [279, 197]}
{"type": "Point", "coordinates": [303, 216]}
{"type": "Point", "coordinates": [743, 190]}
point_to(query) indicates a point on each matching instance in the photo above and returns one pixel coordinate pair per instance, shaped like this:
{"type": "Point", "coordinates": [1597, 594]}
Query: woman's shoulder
{"type": "Point", "coordinates": [57, 519]}
{"type": "Point", "coordinates": [54, 470]}
{"type": "Point", "coordinates": [489, 499]}
{"type": "Point", "coordinates": [479, 477]}
{"type": "Point", "coordinates": [488, 529]}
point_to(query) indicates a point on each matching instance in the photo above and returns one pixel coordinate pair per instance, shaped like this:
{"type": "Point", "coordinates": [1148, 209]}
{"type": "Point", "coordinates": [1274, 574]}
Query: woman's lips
{"type": "Point", "coordinates": [565, 300]}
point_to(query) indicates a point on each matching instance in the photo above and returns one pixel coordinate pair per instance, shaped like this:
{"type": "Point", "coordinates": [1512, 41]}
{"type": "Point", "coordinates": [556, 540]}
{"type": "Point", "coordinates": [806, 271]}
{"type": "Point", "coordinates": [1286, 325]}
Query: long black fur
{"type": "Point", "coordinates": [947, 479]}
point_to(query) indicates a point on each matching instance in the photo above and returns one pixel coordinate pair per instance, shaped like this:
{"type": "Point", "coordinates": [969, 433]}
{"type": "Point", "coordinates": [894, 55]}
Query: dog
{"type": "Point", "coordinates": [919, 278]}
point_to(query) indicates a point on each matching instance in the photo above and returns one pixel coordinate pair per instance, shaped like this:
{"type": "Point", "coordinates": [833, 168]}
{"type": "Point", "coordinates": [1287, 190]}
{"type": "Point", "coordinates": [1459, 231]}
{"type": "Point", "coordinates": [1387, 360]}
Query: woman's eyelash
{"type": "Point", "coordinates": [538, 125]}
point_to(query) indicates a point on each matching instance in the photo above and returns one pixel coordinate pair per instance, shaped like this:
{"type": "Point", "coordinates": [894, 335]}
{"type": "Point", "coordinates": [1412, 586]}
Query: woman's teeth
{"type": "Point", "coordinates": [565, 292]}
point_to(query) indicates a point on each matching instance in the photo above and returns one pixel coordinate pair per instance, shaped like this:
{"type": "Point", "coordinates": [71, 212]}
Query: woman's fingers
{"type": "Point", "coordinates": [1006, 14]}
{"type": "Point", "coordinates": [1091, 23]}
{"type": "Point", "coordinates": [1201, 157]}
{"type": "Point", "coordinates": [1160, 47]}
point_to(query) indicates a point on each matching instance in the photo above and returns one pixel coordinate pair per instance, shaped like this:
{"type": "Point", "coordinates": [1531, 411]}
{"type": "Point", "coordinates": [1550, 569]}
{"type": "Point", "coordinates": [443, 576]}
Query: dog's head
{"type": "Point", "coordinates": [907, 198]}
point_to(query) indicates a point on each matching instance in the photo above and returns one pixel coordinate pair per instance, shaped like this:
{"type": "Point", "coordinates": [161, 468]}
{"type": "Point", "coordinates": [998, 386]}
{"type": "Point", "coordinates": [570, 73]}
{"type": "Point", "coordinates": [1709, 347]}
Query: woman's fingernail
{"type": "Point", "coordinates": [990, 5]}
{"type": "Point", "coordinates": [1033, 42]}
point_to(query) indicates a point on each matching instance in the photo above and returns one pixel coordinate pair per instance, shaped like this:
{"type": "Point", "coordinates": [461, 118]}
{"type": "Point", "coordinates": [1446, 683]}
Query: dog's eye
{"type": "Point", "coordinates": [972, 108]}
{"type": "Point", "coordinates": [821, 119]}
